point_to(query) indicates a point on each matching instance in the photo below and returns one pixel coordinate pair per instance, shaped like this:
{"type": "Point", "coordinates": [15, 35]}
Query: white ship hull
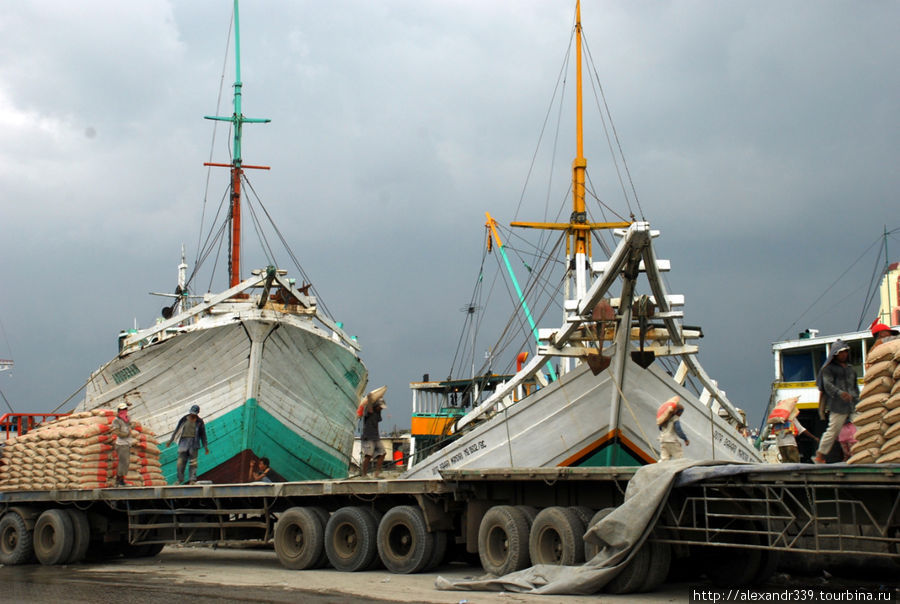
{"type": "Point", "coordinates": [572, 422]}
{"type": "Point", "coordinates": [268, 385]}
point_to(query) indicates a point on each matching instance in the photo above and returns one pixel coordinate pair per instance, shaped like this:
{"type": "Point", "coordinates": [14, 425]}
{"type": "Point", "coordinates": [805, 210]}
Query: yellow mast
{"type": "Point", "coordinates": [579, 229]}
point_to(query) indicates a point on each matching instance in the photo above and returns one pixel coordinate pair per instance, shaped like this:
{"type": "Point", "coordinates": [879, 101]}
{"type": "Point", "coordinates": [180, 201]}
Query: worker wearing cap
{"type": "Point", "coordinates": [840, 393]}
{"type": "Point", "coordinates": [190, 434]}
{"type": "Point", "coordinates": [882, 333]}
{"type": "Point", "coordinates": [121, 428]}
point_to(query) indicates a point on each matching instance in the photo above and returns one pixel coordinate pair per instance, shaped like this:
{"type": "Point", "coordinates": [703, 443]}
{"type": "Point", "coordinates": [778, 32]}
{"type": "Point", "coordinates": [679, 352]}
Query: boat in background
{"type": "Point", "coordinates": [798, 360]}
{"type": "Point", "coordinates": [589, 394]}
{"type": "Point", "coordinates": [273, 374]}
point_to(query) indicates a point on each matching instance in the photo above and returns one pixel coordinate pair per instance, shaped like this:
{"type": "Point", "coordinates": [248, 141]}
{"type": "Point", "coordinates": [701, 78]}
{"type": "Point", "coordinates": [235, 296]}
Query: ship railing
{"type": "Point", "coordinates": [17, 424]}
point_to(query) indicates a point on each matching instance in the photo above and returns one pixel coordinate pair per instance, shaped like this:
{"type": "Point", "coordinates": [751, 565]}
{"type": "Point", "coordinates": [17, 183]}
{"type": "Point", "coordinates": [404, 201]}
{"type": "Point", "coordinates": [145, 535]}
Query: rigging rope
{"type": "Point", "coordinates": [212, 145]}
{"type": "Point", "coordinates": [615, 133]}
{"type": "Point", "coordinates": [828, 289]}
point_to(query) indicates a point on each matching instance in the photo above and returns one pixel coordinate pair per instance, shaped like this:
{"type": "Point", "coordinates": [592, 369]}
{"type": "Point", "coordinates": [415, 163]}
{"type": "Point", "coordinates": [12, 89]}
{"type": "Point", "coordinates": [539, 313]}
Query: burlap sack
{"type": "Point", "coordinates": [892, 402]}
{"type": "Point", "coordinates": [896, 373]}
{"type": "Point", "coordinates": [880, 369]}
{"type": "Point", "coordinates": [871, 402]}
{"type": "Point", "coordinates": [892, 430]}
{"type": "Point", "coordinates": [883, 351]}
{"type": "Point", "coordinates": [892, 416]}
{"type": "Point", "coordinates": [864, 432]}
{"type": "Point", "coordinates": [881, 384]}
{"type": "Point", "coordinates": [867, 417]}
{"type": "Point", "coordinates": [892, 457]}
{"type": "Point", "coordinates": [865, 456]}
{"type": "Point", "coordinates": [873, 442]}
{"type": "Point", "coordinates": [891, 445]}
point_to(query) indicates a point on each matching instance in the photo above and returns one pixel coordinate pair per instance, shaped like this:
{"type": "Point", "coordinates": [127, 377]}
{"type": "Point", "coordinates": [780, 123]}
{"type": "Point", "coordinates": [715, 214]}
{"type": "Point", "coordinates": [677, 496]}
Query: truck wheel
{"type": "Point", "coordinates": [584, 513]}
{"type": "Point", "coordinates": [54, 537]}
{"type": "Point", "coordinates": [351, 539]}
{"type": "Point", "coordinates": [556, 537]}
{"type": "Point", "coordinates": [299, 538]}
{"type": "Point", "coordinates": [377, 515]}
{"type": "Point", "coordinates": [15, 540]}
{"type": "Point", "coordinates": [530, 512]}
{"type": "Point", "coordinates": [441, 539]}
{"type": "Point", "coordinates": [404, 543]}
{"type": "Point", "coordinates": [81, 530]}
{"type": "Point", "coordinates": [592, 549]}
{"type": "Point", "coordinates": [631, 578]}
{"type": "Point", "coordinates": [323, 515]}
{"type": "Point", "coordinates": [731, 566]}
{"type": "Point", "coordinates": [658, 567]}
{"type": "Point", "coordinates": [503, 540]}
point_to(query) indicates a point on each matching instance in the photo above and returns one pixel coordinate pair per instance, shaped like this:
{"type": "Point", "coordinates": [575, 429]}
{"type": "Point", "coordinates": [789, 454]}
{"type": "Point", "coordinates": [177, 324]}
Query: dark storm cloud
{"type": "Point", "coordinates": [761, 136]}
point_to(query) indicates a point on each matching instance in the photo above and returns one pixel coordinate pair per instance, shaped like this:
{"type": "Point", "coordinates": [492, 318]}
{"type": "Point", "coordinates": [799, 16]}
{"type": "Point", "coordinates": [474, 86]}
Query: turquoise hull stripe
{"type": "Point", "coordinates": [610, 455]}
{"type": "Point", "coordinates": [291, 456]}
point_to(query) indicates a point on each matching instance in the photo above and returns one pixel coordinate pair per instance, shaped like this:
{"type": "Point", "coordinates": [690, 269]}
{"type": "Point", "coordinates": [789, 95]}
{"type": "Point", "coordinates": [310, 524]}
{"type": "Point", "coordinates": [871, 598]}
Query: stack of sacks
{"type": "Point", "coordinates": [877, 418]}
{"type": "Point", "coordinates": [77, 452]}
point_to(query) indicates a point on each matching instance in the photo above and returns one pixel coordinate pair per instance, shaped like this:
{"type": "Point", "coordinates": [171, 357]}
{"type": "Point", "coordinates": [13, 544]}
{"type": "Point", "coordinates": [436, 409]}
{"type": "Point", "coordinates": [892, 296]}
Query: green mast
{"type": "Point", "coordinates": [237, 120]}
{"type": "Point", "coordinates": [492, 224]}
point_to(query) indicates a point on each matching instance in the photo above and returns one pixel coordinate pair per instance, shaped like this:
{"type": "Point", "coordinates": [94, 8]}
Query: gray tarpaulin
{"type": "Point", "coordinates": [618, 535]}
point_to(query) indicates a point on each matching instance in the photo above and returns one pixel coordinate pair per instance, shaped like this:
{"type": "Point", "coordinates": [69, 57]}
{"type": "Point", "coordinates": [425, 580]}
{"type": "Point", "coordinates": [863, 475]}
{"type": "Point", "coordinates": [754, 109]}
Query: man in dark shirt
{"type": "Point", "coordinates": [371, 437]}
{"type": "Point", "coordinates": [837, 382]}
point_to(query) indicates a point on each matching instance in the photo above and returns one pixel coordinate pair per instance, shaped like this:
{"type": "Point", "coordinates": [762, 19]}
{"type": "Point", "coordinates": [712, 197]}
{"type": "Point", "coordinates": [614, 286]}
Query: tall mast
{"type": "Point", "coordinates": [579, 165]}
{"type": "Point", "coordinates": [578, 227]}
{"type": "Point", "coordinates": [237, 166]}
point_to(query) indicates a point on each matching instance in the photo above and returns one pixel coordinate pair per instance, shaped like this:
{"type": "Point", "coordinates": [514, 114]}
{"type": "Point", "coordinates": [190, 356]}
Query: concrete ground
{"type": "Point", "coordinates": [205, 575]}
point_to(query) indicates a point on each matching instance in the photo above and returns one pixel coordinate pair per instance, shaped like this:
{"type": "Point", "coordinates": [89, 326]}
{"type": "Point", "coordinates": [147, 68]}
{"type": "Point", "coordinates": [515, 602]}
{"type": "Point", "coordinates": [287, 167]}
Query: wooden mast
{"type": "Point", "coordinates": [237, 166]}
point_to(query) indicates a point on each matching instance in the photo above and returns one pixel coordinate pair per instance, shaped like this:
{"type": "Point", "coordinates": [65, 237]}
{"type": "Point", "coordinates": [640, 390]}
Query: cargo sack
{"type": "Point", "coordinates": [872, 402]}
{"type": "Point", "coordinates": [784, 411]}
{"type": "Point", "coordinates": [864, 432]}
{"type": "Point", "coordinates": [892, 457]}
{"type": "Point", "coordinates": [876, 386]}
{"type": "Point", "coordinates": [891, 445]}
{"type": "Point", "coordinates": [667, 410]}
{"type": "Point", "coordinates": [871, 415]}
{"type": "Point", "coordinates": [892, 431]}
{"type": "Point", "coordinates": [881, 369]}
{"type": "Point", "coordinates": [883, 351]}
{"type": "Point", "coordinates": [892, 416]}
{"type": "Point", "coordinates": [865, 456]}
{"type": "Point", "coordinates": [872, 442]}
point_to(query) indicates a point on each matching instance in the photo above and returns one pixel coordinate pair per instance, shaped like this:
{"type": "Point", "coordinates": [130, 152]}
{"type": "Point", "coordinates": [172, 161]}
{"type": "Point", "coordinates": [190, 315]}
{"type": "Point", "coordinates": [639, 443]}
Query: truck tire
{"type": "Point", "coordinates": [631, 578]}
{"type": "Point", "coordinates": [351, 537]}
{"type": "Point", "coordinates": [658, 568]}
{"type": "Point", "coordinates": [299, 538]}
{"type": "Point", "coordinates": [54, 537]}
{"type": "Point", "coordinates": [584, 513]}
{"type": "Point", "coordinates": [592, 549]}
{"type": "Point", "coordinates": [81, 530]}
{"type": "Point", "coordinates": [556, 537]}
{"type": "Point", "coordinates": [530, 512]}
{"type": "Point", "coordinates": [736, 567]}
{"type": "Point", "coordinates": [15, 540]}
{"type": "Point", "coordinates": [404, 543]}
{"type": "Point", "coordinates": [323, 515]}
{"type": "Point", "coordinates": [441, 540]}
{"type": "Point", "coordinates": [503, 540]}
{"type": "Point", "coordinates": [377, 515]}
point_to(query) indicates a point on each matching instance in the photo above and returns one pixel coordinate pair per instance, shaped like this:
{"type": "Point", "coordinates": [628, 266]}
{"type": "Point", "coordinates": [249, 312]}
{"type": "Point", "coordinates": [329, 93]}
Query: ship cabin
{"type": "Point", "coordinates": [436, 405]}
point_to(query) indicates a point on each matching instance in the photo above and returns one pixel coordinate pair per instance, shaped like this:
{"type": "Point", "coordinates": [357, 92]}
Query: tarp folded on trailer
{"type": "Point", "coordinates": [618, 535]}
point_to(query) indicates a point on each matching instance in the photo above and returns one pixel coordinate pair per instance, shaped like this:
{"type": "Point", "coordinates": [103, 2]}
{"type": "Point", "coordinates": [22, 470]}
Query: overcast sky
{"type": "Point", "coordinates": [762, 139]}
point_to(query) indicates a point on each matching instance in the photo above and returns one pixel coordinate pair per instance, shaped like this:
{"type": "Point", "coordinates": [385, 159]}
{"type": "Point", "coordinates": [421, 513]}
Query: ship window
{"type": "Point", "coordinates": [798, 366]}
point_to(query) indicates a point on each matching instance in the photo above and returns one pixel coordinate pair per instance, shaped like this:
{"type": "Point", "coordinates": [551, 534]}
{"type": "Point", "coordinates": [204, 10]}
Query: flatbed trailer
{"type": "Point", "coordinates": [508, 518]}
